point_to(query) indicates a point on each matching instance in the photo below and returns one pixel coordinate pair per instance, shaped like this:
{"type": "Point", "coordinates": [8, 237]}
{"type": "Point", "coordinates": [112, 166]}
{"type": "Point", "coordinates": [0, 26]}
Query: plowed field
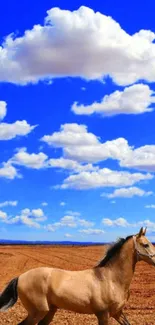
{"type": "Point", "coordinates": [15, 260]}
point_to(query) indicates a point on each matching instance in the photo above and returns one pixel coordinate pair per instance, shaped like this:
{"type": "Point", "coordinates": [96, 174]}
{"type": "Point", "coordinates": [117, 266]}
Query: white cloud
{"type": "Point", "coordinates": [8, 203]}
{"type": "Point", "coordinates": [142, 158]}
{"type": "Point", "coordinates": [10, 131]}
{"type": "Point", "coordinates": [18, 128]}
{"type": "Point", "coordinates": [70, 221]}
{"type": "Point", "coordinates": [23, 158]}
{"type": "Point", "coordinates": [62, 204]}
{"type": "Point", "coordinates": [92, 231]}
{"type": "Point", "coordinates": [79, 145]}
{"type": "Point", "coordinates": [66, 221]}
{"type": "Point", "coordinates": [3, 215]}
{"type": "Point", "coordinates": [127, 192]}
{"type": "Point", "coordinates": [71, 135]}
{"type": "Point", "coordinates": [115, 149]}
{"type": "Point", "coordinates": [103, 178]}
{"type": "Point", "coordinates": [68, 235]}
{"type": "Point", "coordinates": [149, 224]}
{"type": "Point", "coordinates": [117, 222]}
{"type": "Point", "coordinates": [136, 99]}
{"type": "Point", "coordinates": [70, 165]}
{"type": "Point", "coordinates": [38, 214]}
{"type": "Point", "coordinates": [29, 222]}
{"type": "Point", "coordinates": [85, 223]}
{"type": "Point", "coordinates": [3, 109]}
{"type": "Point", "coordinates": [122, 222]}
{"type": "Point", "coordinates": [150, 206]}
{"type": "Point", "coordinates": [49, 228]}
{"type": "Point", "coordinates": [31, 218]}
{"type": "Point", "coordinates": [79, 43]}
{"type": "Point", "coordinates": [73, 213]}
{"type": "Point", "coordinates": [9, 171]}
{"type": "Point", "coordinates": [44, 204]}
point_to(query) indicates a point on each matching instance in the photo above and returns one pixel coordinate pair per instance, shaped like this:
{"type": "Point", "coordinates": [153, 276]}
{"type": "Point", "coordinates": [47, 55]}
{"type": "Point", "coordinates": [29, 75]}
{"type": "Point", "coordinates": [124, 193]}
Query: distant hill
{"type": "Point", "coordinates": [37, 242]}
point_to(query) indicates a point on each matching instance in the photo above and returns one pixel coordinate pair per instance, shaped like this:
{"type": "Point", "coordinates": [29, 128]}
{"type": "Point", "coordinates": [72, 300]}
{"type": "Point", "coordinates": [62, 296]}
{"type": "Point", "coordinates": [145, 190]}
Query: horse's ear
{"type": "Point", "coordinates": [145, 231]}
{"type": "Point", "coordinates": [141, 232]}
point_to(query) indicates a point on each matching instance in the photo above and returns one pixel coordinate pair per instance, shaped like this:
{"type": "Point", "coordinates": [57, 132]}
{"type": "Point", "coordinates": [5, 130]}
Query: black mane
{"type": "Point", "coordinates": [113, 250]}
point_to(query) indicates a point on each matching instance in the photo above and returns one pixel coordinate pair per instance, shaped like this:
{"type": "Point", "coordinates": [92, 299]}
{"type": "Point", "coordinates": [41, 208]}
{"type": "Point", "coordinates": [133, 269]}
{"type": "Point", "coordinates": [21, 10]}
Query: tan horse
{"type": "Point", "coordinates": [102, 290]}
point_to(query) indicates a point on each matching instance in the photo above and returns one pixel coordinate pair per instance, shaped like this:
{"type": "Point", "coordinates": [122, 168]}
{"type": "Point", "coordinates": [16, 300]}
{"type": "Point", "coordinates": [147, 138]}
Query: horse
{"type": "Point", "coordinates": [102, 290]}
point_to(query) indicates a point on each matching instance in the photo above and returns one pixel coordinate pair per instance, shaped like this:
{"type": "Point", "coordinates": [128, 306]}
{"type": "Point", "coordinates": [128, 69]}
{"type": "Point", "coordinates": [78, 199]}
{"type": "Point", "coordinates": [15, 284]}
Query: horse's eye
{"type": "Point", "coordinates": [146, 245]}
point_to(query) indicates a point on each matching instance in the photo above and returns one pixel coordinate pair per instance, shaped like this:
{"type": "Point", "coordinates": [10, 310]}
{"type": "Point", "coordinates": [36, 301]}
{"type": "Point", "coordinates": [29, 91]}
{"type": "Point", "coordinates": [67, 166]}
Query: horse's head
{"type": "Point", "coordinates": [144, 249]}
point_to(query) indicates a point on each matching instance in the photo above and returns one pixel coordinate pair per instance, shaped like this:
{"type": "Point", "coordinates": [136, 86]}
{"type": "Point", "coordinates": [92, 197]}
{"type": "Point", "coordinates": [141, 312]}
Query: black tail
{"type": "Point", "coordinates": [9, 296]}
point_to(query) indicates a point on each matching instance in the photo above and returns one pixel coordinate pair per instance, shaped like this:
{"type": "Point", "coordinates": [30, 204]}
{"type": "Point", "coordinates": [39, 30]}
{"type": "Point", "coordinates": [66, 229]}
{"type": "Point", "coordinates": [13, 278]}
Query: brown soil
{"type": "Point", "coordinates": [15, 260]}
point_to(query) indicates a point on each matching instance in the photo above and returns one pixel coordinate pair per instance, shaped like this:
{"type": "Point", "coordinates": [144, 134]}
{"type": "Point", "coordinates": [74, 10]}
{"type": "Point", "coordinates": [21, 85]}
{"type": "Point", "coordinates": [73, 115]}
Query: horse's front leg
{"type": "Point", "coordinates": [121, 318]}
{"type": "Point", "coordinates": [103, 318]}
{"type": "Point", "coordinates": [32, 320]}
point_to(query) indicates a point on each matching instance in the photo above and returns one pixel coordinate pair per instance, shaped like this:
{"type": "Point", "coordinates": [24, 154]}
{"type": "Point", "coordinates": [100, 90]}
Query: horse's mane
{"type": "Point", "coordinates": [113, 250]}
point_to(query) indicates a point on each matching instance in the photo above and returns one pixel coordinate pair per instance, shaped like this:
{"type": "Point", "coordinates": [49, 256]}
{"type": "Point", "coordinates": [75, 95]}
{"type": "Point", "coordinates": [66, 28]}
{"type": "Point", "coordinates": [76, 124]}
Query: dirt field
{"type": "Point", "coordinates": [15, 260]}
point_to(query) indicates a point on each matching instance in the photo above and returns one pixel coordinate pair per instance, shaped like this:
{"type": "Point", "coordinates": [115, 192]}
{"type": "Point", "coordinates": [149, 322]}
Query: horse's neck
{"type": "Point", "coordinates": [123, 265]}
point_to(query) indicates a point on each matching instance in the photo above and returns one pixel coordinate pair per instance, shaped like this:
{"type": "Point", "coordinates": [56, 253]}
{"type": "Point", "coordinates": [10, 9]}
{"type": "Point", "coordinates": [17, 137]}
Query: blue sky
{"type": "Point", "coordinates": [77, 101]}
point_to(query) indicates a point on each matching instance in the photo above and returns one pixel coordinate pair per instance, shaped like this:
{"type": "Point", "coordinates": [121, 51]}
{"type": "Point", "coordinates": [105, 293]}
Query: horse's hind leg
{"type": "Point", "coordinates": [49, 317]}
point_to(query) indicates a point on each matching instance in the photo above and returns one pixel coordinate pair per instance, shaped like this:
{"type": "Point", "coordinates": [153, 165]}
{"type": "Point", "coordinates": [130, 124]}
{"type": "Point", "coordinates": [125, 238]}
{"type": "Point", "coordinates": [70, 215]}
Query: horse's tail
{"type": "Point", "coordinates": [9, 296]}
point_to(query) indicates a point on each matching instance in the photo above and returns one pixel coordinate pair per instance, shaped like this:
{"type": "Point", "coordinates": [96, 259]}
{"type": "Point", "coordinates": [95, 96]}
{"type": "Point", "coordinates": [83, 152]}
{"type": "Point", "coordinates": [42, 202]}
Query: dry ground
{"type": "Point", "coordinates": [15, 260]}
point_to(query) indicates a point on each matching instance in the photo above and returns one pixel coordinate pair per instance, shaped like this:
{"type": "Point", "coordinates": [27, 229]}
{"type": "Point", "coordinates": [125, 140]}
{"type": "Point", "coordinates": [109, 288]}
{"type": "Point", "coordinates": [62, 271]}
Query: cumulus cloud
{"type": "Point", "coordinates": [117, 222]}
{"type": "Point", "coordinates": [136, 99]}
{"type": "Point", "coordinates": [92, 231]}
{"type": "Point", "coordinates": [3, 215]}
{"type": "Point", "coordinates": [49, 228]}
{"type": "Point", "coordinates": [103, 178]}
{"type": "Point", "coordinates": [72, 134]}
{"type": "Point", "coordinates": [38, 214]}
{"type": "Point", "coordinates": [12, 130]}
{"type": "Point", "coordinates": [122, 222]}
{"type": "Point", "coordinates": [70, 165]}
{"type": "Point", "coordinates": [66, 221]}
{"type": "Point", "coordinates": [150, 206]}
{"type": "Point", "coordinates": [73, 213]}
{"type": "Point", "coordinates": [69, 221]}
{"type": "Point", "coordinates": [128, 192]}
{"type": "Point", "coordinates": [25, 220]}
{"type": "Point", "coordinates": [81, 146]}
{"type": "Point", "coordinates": [3, 109]}
{"type": "Point", "coordinates": [9, 171]}
{"type": "Point", "coordinates": [142, 158]}
{"type": "Point", "coordinates": [23, 158]}
{"type": "Point", "coordinates": [62, 204]}
{"type": "Point", "coordinates": [31, 218]}
{"type": "Point", "coordinates": [80, 43]}
{"type": "Point", "coordinates": [44, 204]}
{"type": "Point", "coordinates": [8, 203]}
{"type": "Point", "coordinates": [68, 235]}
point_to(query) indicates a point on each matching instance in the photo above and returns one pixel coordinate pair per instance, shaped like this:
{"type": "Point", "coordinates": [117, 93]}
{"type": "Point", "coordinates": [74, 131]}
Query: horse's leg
{"type": "Point", "coordinates": [121, 318]}
{"type": "Point", "coordinates": [32, 320]}
{"type": "Point", "coordinates": [49, 317]}
{"type": "Point", "coordinates": [27, 321]}
{"type": "Point", "coordinates": [103, 318]}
